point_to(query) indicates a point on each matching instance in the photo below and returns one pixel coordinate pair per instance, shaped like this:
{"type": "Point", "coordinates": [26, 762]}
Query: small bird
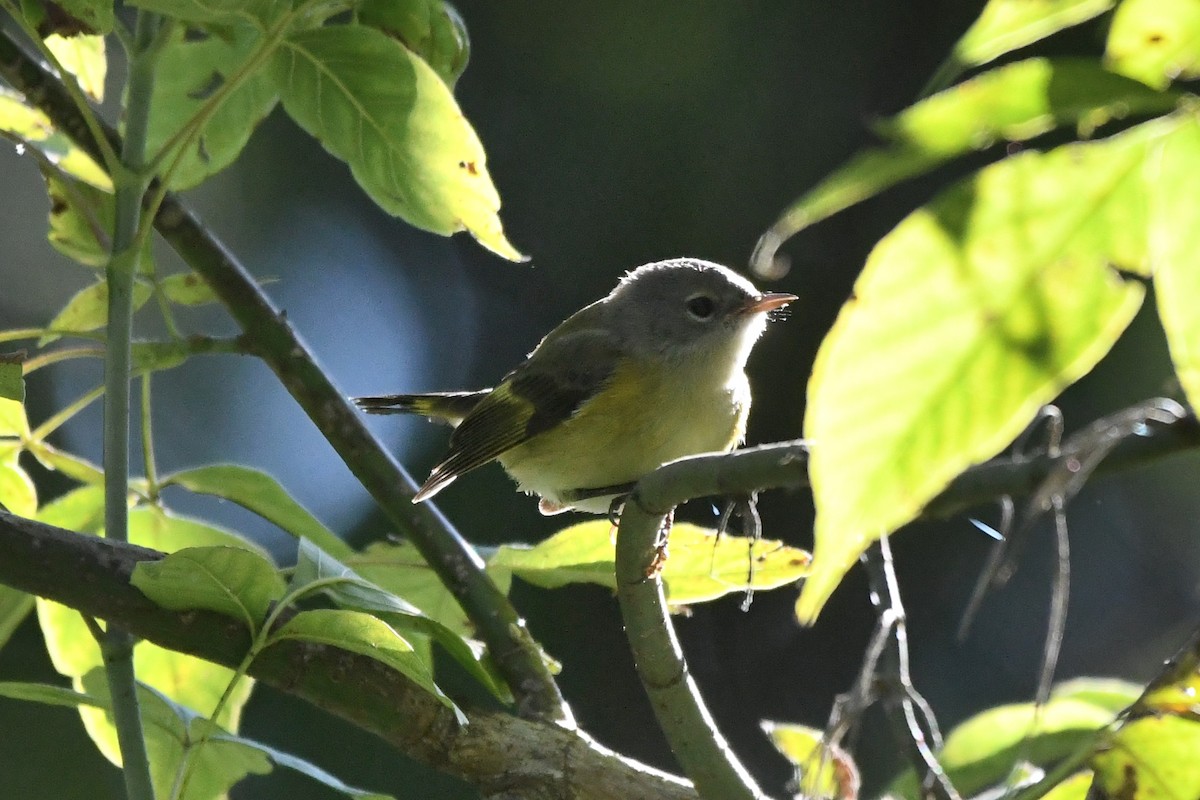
{"type": "Point", "coordinates": [653, 372]}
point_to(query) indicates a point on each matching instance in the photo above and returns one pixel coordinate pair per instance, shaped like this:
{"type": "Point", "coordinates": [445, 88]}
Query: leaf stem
{"type": "Point", "coordinates": [458, 566]}
{"type": "Point", "coordinates": [148, 439]}
{"type": "Point", "coordinates": [56, 421]}
{"type": "Point", "coordinates": [106, 152]}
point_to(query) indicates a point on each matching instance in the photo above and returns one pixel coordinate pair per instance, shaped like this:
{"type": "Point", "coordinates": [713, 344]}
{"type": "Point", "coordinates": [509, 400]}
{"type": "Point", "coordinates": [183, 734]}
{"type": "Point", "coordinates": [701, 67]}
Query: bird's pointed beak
{"type": "Point", "coordinates": [768, 302]}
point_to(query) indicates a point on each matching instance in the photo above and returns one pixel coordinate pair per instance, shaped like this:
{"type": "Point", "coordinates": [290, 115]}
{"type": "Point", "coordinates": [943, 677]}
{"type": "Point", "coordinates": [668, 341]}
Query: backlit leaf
{"type": "Point", "coordinates": [259, 492]}
{"type": "Point", "coordinates": [13, 421]}
{"type": "Point", "coordinates": [973, 312]}
{"type": "Point", "coordinates": [15, 606]}
{"type": "Point", "coordinates": [1014, 103]}
{"type": "Point", "coordinates": [17, 492]}
{"type": "Point", "coordinates": [386, 113]}
{"type": "Point", "coordinates": [1153, 758]}
{"type": "Point", "coordinates": [1007, 25]}
{"type": "Point", "coordinates": [399, 568]}
{"type": "Point", "coordinates": [34, 128]}
{"type": "Point", "coordinates": [366, 635]}
{"type": "Point", "coordinates": [187, 289]}
{"type": "Point", "coordinates": [699, 566]}
{"type": "Point", "coordinates": [1175, 250]}
{"type": "Point", "coordinates": [821, 770]}
{"type": "Point", "coordinates": [350, 590]}
{"type": "Point", "coordinates": [88, 310]}
{"type": "Point", "coordinates": [82, 56]}
{"type": "Point", "coordinates": [981, 751]}
{"type": "Point", "coordinates": [1155, 41]}
{"type": "Point", "coordinates": [186, 680]}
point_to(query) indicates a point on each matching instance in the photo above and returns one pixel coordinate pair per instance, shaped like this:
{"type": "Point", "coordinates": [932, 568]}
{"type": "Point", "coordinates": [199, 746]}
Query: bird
{"type": "Point", "coordinates": [653, 372]}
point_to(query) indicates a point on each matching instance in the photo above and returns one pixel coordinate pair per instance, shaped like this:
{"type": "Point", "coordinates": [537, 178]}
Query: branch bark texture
{"type": "Point", "coordinates": [503, 755]}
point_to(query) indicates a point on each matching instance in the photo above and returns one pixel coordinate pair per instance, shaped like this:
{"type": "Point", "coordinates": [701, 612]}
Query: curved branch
{"type": "Point", "coordinates": [453, 559]}
{"type": "Point", "coordinates": [504, 756]}
{"type": "Point", "coordinates": [700, 748]}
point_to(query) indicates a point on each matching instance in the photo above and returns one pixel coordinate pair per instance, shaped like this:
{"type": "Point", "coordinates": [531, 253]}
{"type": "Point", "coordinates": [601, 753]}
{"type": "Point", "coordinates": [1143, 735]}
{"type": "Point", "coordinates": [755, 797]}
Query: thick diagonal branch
{"type": "Point", "coordinates": [504, 756]}
{"type": "Point", "coordinates": [266, 327]}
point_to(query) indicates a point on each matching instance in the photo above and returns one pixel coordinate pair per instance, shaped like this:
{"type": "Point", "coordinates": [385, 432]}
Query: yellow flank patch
{"type": "Point", "coordinates": [638, 421]}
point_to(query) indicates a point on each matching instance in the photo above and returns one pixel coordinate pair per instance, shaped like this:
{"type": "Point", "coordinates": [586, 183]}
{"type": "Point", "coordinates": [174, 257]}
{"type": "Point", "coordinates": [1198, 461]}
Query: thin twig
{"type": "Point", "coordinates": [515, 653]}
{"type": "Point", "coordinates": [895, 680]}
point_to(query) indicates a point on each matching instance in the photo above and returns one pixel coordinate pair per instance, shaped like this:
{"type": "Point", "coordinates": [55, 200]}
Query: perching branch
{"type": "Point", "coordinates": [641, 541]}
{"type": "Point", "coordinates": [697, 744]}
{"type": "Point", "coordinates": [453, 559]}
{"type": "Point", "coordinates": [504, 756]}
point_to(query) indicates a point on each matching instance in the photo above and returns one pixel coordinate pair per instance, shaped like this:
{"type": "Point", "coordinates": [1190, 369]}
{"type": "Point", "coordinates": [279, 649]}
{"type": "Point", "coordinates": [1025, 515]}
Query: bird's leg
{"type": "Point", "coordinates": [746, 507]}
{"type": "Point", "coordinates": [660, 545]}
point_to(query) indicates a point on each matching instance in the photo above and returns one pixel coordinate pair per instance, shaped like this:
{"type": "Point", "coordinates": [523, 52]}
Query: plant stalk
{"type": "Point", "coordinates": [129, 185]}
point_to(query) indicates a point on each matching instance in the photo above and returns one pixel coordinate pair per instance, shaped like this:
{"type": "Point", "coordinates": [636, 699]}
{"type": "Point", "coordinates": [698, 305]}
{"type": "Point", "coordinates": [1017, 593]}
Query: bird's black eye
{"type": "Point", "coordinates": [701, 306]}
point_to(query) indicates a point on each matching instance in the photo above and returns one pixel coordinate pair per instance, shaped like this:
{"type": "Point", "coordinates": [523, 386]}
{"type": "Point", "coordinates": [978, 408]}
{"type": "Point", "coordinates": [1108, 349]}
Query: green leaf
{"type": "Point", "coordinates": [80, 218]}
{"type": "Point", "coordinates": [89, 16]}
{"type": "Point", "coordinates": [229, 580]}
{"type": "Point", "coordinates": [1013, 103]}
{"type": "Point", "coordinates": [431, 29]}
{"type": "Point", "coordinates": [1175, 250]}
{"type": "Point", "coordinates": [259, 13]}
{"type": "Point", "coordinates": [80, 510]}
{"type": "Point", "coordinates": [349, 590]}
{"type": "Point", "coordinates": [1155, 41]}
{"type": "Point", "coordinates": [259, 492]}
{"type": "Point", "coordinates": [399, 568]}
{"type": "Point", "coordinates": [1007, 25]}
{"type": "Point", "coordinates": [17, 492]}
{"type": "Point", "coordinates": [821, 770]}
{"type": "Point", "coordinates": [384, 111]}
{"type": "Point", "coordinates": [69, 464]}
{"type": "Point", "coordinates": [974, 311]}
{"type": "Point", "coordinates": [172, 732]}
{"type": "Point", "coordinates": [700, 567]}
{"type": "Point", "coordinates": [1151, 758]}
{"type": "Point", "coordinates": [1075, 787]}
{"type": "Point", "coordinates": [170, 729]}
{"type": "Point", "coordinates": [88, 310]}
{"type": "Point", "coordinates": [1109, 694]}
{"type": "Point", "coordinates": [13, 421]}
{"type": "Point", "coordinates": [187, 289]}
{"type": "Point", "coordinates": [308, 769]}
{"type": "Point", "coordinates": [46, 694]}
{"type": "Point", "coordinates": [184, 679]}
{"type": "Point", "coordinates": [35, 129]}
{"type": "Point", "coordinates": [14, 608]}
{"type": "Point", "coordinates": [366, 635]}
{"type": "Point", "coordinates": [189, 75]}
{"type": "Point", "coordinates": [12, 377]}
{"type": "Point", "coordinates": [981, 751]}
{"type": "Point", "coordinates": [82, 56]}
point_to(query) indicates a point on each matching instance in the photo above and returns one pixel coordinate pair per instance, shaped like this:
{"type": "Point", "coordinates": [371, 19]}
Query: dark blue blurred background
{"type": "Point", "coordinates": [617, 133]}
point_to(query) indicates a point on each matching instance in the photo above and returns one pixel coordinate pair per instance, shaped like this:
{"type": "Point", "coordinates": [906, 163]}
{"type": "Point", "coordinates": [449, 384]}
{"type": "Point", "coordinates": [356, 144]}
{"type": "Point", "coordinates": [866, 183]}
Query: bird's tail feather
{"type": "Point", "coordinates": [447, 407]}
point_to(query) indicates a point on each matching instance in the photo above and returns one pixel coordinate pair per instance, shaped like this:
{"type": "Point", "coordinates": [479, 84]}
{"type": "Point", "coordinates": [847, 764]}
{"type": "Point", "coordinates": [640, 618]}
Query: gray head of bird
{"type": "Point", "coordinates": [687, 308]}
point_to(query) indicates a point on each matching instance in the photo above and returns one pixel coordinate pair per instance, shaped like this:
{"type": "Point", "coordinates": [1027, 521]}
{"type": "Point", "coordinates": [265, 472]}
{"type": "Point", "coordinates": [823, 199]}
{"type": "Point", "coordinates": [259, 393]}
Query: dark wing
{"type": "Point", "coordinates": [550, 386]}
